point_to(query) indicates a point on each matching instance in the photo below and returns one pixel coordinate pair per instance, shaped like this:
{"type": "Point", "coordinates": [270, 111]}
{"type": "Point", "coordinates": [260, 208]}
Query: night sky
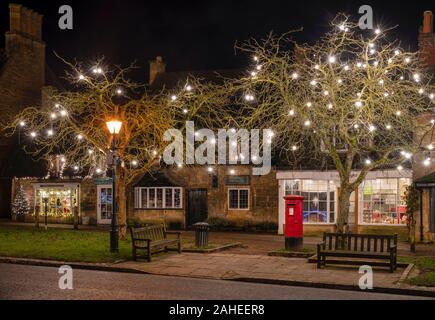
{"type": "Point", "coordinates": [197, 34]}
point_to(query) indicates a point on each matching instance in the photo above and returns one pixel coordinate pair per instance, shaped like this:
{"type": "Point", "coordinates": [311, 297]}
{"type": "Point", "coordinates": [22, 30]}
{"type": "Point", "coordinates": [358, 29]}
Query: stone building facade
{"type": "Point", "coordinates": [22, 77]}
{"type": "Point", "coordinates": [229, 197]}
{"type": "Point", "coordinates": [424, 172]}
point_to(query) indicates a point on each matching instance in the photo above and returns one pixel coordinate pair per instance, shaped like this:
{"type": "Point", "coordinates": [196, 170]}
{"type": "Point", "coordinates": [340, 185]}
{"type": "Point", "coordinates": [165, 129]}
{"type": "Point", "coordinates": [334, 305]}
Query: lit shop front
{"type": "Point", "coordinates": [57, 201]}
{"type": "Point", "coordinates": [378, 202]}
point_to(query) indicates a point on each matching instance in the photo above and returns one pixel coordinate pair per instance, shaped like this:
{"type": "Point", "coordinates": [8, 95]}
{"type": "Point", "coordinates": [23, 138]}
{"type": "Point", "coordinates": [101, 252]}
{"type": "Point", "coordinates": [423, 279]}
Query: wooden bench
{"type": "Point", "coordinates": [152, 238]}
{"type": "Point", "coordinates": [358, 246]}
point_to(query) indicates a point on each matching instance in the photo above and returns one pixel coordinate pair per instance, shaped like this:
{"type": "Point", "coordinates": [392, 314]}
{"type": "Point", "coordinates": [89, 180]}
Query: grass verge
{"type": "Point", "coordinates": [426, 266]}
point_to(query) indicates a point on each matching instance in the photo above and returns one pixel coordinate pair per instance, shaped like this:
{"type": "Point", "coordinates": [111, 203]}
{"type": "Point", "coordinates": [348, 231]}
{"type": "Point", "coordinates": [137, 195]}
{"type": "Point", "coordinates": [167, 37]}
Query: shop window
{"type": "Point", "coordinates": [319, 199]}
{"type": "Point", "coordinates": [383, 201]}
{"type": "Point", "coordinates": [59, 201]}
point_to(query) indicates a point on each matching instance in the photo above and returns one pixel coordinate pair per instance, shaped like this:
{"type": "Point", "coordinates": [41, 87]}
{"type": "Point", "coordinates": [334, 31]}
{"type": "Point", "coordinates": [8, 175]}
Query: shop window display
{"type": "Point", "coordinates": [383, 201]}
{"type": "Point", "coordinates": [60, 201]}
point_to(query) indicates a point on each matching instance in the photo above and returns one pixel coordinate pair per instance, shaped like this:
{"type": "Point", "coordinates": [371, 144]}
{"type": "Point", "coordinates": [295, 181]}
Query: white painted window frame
{"type": "Point", "coordinates": [361, 205]}
{"type": "Point", "coordinates": [238, 189]}
{"type": "Point", "coordinates": [138, 198]}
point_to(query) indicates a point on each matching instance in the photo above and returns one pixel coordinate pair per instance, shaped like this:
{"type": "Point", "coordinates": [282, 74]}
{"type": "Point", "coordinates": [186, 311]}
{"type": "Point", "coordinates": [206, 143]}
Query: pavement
{"type": "Point", "coordinates": [34, 282]}
{"type": "Point", "coordinates": [268, 269]}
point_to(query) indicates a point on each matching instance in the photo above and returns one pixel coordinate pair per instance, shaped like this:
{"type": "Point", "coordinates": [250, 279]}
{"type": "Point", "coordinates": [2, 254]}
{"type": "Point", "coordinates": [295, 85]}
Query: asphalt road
{"type": "Point", "coordinates": [31, 282]}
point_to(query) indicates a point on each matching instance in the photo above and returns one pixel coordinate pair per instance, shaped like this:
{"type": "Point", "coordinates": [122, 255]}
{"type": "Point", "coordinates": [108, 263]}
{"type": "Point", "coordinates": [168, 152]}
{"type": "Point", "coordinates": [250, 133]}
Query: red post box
{"type": "Point", "coordinates": [294, 219]}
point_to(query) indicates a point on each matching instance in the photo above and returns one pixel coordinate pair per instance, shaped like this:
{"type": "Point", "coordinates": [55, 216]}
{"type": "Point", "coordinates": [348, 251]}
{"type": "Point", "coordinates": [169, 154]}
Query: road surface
{"type": "Point", "coordinates": [32, 282]}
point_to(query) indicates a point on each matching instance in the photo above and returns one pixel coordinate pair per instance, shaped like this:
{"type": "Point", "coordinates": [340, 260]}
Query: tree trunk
{"type": "Point", "coordinates": [412, 224]}
{"type": "Point", "coordinates": [343, 209]}
{"type": "Point", "coordinates": [121, 201]}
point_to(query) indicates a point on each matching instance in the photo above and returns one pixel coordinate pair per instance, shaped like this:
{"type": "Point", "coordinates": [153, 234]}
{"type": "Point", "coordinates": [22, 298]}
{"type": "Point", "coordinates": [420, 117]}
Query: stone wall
{"type": "Point", "coordinates": [22, 76]}
{"type": "Point", "coordinates": [426, 42]}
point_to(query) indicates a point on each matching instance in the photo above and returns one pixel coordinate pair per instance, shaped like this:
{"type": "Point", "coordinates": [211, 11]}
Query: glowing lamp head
{"type": "Point", "coordinates": [114, 126]}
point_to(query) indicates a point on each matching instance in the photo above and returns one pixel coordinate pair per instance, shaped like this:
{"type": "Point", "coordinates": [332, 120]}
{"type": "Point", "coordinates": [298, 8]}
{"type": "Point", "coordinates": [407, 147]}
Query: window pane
{"type": "Point", "coordinates": [315, 194]}
{"type": "Point", "coordinates": [234, 199]}
{"type": "Point", "coordinates": [177, 198]}
{"type": "Point", "coordinates": [292, 187]}
{"type": "Point", "coordinates": [152, 198]}
{"type": "Point", "coordinates": [331, 217]}
{"type": "Point", "coordinates": [144, 193]}
{"type": "Point", "coordinates": [159, 203]}
{"type": "Point", "coordinates": [244, 199]}
{"type": "Point", "coordinates": [168, 198]}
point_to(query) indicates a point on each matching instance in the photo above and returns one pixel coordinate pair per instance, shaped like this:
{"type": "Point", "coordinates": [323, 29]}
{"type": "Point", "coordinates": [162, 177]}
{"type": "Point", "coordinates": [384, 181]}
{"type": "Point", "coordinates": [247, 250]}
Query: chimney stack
{"type": "Point", "coordinates": [15, 17]}
{"type": "Point", "coordinates": [427, 22]}
{"type": "Point", "coordinates": [156, 66]}
{"type": "Point", "coordinates": [24, 39]}
{"type": "Point", "coordinates": [25, 22]}
{"type": "Point", "coordinates": [426, 42]}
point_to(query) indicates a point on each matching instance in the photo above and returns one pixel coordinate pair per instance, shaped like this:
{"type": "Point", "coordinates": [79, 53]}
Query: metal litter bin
{"type": "Point", "coordinates": [201, 234]}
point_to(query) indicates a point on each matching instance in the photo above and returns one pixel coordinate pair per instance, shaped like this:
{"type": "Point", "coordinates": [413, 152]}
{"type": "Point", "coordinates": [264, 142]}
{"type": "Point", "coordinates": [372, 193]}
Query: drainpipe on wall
{"type": "Point", "coordinates": [421, 216]}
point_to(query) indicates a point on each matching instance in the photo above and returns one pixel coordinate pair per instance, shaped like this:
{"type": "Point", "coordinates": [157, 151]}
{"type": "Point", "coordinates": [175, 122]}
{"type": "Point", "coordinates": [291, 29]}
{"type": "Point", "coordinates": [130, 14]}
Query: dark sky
{"type": "Point", "coordinates": [197, 34]}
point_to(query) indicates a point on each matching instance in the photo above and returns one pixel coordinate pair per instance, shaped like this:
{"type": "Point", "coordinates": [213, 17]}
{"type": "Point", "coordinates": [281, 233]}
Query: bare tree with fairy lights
{"type": "Point", "coordinates": [353, 98]}
{"type": "Point", "coordinates": [73, 124]}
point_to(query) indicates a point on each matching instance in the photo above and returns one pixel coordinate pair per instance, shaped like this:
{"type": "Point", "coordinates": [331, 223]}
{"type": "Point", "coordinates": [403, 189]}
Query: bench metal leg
{"type": "Point", "coordinates": [149, 254]}
{"type": "Point", "coordinates": [392, 262]}
{"type": "Point", "coordinates": [134, 254]}
{"type": "Point", "coordinates": [179, 246]}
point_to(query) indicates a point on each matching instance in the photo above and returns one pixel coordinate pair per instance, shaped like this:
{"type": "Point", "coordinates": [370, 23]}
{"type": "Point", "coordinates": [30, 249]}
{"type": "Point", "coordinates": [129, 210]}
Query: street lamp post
{"type": "Point", "coordinates": [114, 127]}
{"type": "Point", "coordinates": [45, 199]}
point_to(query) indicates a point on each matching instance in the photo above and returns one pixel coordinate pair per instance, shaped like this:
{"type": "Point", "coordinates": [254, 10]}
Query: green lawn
{"type": "Point", "coordinates": [68, 245]}
{"type": "Point", "coordinates": [426, 265]}
{"type": "Point", "coordinates": [56, 244]}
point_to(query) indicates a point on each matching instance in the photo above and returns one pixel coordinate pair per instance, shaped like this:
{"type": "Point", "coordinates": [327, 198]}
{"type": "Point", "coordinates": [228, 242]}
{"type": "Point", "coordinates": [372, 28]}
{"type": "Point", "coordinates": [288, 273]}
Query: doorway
{"type": "Point", "coordinates": [5, 198]}
{"type": "Point", "coordinates": [104, 204]}
{"type": "Point", "coordinates": [197, 208]}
